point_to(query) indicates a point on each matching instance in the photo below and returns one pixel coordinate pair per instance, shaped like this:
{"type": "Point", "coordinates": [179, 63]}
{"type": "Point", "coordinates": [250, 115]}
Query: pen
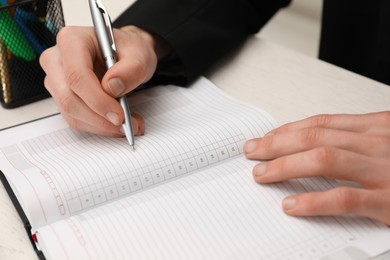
{"type": "Point", "coordinates": [104, 33]}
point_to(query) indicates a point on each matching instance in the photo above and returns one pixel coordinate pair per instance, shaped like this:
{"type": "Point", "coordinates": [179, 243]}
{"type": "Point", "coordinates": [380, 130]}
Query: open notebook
{"type": "Point", "coordinates": [186, 192]}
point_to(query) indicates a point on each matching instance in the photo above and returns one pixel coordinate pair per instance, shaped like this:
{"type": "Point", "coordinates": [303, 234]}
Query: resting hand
{"type": "Point", "coordinates": [344, 147]}
{"type": "Point", "coordinates": [85, 93]}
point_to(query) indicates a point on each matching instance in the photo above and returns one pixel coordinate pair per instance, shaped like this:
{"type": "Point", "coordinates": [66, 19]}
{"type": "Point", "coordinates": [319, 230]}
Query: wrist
{"type": "Point", "coordinates": [158, 44]}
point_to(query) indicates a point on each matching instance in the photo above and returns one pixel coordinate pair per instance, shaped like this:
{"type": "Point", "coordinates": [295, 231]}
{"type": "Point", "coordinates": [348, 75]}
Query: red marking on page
{"type": "Point", "coordinates": [34, 237]}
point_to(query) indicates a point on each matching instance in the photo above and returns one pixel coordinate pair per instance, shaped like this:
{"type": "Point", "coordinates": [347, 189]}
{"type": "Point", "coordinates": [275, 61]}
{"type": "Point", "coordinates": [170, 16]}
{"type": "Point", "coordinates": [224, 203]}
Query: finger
{"type": "Point", "coordinates": [70, 105]}
{"type": "Point", "coordinates": [378, 123]}
{"type": "Point", "coordinates": [138, 124]}
{"type": "Point", "coordinates": [51, 63]}
{"type": "Point", "coordinates": [105, 129]}
{"type": "Point", "coordinates": [276, 145]}
{"type": "Point", "coordinates": [327, 162]}
{"type": "Point", "coordinates": [340, 201]}
{"type": "Point", "coordinates": [136, 63]}
{"type": "Point", "coordinates": [79, 116]}
{"type": "Point", "coordinates": [78, 67]}
{"type": "Point", "coordinates": [124, 76]}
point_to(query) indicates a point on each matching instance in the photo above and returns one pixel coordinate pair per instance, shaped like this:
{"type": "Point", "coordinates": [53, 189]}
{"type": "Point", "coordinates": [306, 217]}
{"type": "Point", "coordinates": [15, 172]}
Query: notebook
{"type": "Point", "coordinates": [186, 192]}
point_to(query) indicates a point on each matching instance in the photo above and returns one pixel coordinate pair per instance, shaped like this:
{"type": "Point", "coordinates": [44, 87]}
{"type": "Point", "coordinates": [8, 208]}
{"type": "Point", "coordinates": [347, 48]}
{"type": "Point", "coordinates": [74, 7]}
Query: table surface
{"type": "Point", "coordinates": [288, 85]}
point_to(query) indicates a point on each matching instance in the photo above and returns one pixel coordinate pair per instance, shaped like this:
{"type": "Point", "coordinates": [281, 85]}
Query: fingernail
{"type": "Point", "coordinates": [116, 86]}
{"type": "Point", "coordinates": [113, 118]}
{"type": "Point", "coordinates": [289, 203]}
{"type": "Point", "coordinates": [260, 169]}
{"type": "Point", "coordinates": [269, 134]}
{"type": "Point", "coordinates": [250, 146]}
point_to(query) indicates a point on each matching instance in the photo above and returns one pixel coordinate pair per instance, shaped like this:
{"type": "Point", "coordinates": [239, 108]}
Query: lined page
{"type": "Point", "coordinates": [58, 171]}
{"type": "Point", "coordinates": [219, 213]}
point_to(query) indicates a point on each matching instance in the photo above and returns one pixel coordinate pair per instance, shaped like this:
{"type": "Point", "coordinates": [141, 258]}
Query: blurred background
{"type": "Point", "coordinates": [296, 27]}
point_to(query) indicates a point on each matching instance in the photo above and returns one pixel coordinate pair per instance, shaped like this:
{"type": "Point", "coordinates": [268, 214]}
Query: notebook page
{"type": "Point", "coordinates": [57, 171]}
{"type": "Point", "coordinates": [219, 213]}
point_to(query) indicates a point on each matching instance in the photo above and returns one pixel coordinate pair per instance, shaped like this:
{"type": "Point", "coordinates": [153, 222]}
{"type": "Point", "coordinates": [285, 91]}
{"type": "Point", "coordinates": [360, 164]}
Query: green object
{"type": "Point", "coordinates": [13, 38]}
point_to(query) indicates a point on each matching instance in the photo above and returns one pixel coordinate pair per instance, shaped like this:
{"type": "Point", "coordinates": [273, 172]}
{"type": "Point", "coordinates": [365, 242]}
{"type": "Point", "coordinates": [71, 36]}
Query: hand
{"type": "Point", "coordinates": [344, 147]}
{"type": "Point", "coordinates": [84, 92]}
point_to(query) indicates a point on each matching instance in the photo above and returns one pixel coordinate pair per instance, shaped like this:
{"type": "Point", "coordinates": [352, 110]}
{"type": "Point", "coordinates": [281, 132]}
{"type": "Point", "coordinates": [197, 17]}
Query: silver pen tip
{"type": "Point", "coordinates": [129, 135]}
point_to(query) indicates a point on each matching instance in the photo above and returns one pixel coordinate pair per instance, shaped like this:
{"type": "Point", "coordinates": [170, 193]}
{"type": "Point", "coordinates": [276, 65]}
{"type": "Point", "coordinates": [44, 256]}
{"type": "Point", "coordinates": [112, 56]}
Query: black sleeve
{"type": "Point", "coordinates": [357, 37]}
{"type": "Point", "coordinates": [199, 31]}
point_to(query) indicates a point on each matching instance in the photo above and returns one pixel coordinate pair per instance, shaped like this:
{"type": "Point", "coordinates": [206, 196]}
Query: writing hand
{"type": "Point", "coordinates": [84, 92]}
{"type": "Point", "coordinates": [352, 148]}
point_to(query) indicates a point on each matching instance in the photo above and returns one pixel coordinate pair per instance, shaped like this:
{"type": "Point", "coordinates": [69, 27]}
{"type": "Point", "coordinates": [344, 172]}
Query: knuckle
{"type": "Point", "coordinates": [73, 78]}
{"type": "Point", "coordinates": [48, 58]}
{"type": "Point", "coordinates": [326, 156]}
{"type": "Point", "coordinates": [66, 104]}
{"type": "Point", "coordinates": [267, 143]}
{"type": "Point", "coordinates": [63, 34]}
{"type": "Point", "coordinates": [321, 120]}
{"type": "Point", "coordinates": [310, 136]}
{"type": "Point", "coordinates": [43, 58]}
{"type": "Point", "coordinates": [46, 83]}
{"type": "Point", "coordinates": [140, 68]}
{"type": "Point", "coordinates": [346, 199]}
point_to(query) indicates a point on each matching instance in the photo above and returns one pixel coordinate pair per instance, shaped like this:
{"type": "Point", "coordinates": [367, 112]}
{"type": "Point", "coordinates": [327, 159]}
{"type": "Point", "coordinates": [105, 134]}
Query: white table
{"type": "Point", "coordinates": [288, 85]}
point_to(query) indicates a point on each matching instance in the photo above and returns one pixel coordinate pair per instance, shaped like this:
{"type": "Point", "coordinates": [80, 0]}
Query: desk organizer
{"type": "Point", "coordinates": [27, 28]}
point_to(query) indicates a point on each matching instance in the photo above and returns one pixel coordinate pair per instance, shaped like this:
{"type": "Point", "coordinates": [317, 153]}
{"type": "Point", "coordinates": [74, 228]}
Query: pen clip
{"type": "Point", "coordinates": [107, 21]}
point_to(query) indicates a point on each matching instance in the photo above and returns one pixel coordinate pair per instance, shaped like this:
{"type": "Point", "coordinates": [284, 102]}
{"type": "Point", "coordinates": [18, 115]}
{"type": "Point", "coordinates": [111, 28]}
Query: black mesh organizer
{"type": "Point", "coordinates": [27, 28]}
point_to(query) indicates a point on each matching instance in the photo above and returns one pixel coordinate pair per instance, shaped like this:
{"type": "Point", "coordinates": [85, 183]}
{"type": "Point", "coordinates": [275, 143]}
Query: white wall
{"type": "Point", "coordinates": [296, 27]}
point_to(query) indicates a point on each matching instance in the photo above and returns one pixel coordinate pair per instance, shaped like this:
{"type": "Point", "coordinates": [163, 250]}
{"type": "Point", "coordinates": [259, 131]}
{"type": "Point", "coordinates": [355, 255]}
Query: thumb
{"type": "Point", "coordinates": [116, 87]}
{"type": "Point", "coordinates": [137, 62]}
{"type": "Point", "coordinates": [125, 76]}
